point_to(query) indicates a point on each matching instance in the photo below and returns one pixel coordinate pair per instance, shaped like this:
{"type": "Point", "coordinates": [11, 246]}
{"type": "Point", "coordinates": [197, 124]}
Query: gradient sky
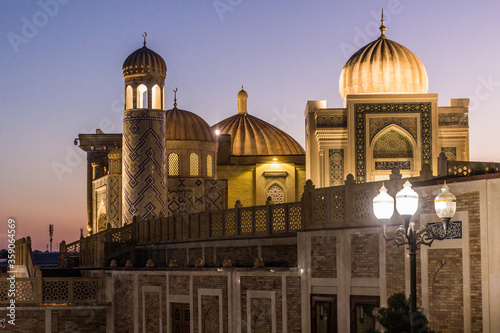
{"type": "Point", "coordinates": [64, 77]}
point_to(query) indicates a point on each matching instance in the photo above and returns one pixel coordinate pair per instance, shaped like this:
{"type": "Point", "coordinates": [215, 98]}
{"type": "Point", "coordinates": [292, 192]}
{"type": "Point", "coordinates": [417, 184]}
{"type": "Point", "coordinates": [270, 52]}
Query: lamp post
{"type": "Point", "coordinates": [406, 234]}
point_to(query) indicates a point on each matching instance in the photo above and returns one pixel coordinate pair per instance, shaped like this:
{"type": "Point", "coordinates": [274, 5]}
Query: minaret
{"type": "Point", "coordinates": [144, 183]}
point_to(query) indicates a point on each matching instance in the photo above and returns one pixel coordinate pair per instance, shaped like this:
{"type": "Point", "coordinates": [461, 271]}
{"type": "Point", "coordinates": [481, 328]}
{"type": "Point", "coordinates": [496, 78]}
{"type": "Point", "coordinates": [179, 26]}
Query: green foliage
{"type": "Point", "coordinates": [3, 254]}
{"type": "Point", "coordinates": [396, 317]}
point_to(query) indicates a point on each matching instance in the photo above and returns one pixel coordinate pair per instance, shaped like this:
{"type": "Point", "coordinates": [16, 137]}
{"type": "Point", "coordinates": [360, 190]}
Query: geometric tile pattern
{"type": "Point", "coordinates": [454, 229]}
{"type": "Point", "coordinates": [331, 121]}
{"type": "Point", "coordinates": [336, 157]}
{"type": "Point", "coordinates": [450, 153]}
{"type": "Point", "coordinates": [144, 163]}
{"type": "Point", "coordinates": [107, 200]}
{"type": "Point", "coordinates": [408, 123]}
{"type": "Point", "coordinates": [389, 165]}
{"type": "Point", "coordinates": [185, 196]}
{"type": "Point", "coordinates": [215, 194]}
{"type": "Point", "coordinates": [392, 144]}
{"type": "Point", "coordinates": [360, 114]}
{"type": "Point", "coordinates": [276, 193]}
{"type": "Point", "coordinates": [453, 119]}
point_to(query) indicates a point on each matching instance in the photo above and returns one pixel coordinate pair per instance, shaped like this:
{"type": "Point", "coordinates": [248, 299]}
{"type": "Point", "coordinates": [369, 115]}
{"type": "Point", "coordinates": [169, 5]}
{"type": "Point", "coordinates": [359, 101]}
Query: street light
{"type": "Point", "coordinates": [407, 205]}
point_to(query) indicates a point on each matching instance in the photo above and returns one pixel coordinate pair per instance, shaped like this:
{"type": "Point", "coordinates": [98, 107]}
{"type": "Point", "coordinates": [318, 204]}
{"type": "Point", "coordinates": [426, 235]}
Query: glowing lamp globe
{"type": "Point", "coordinates": [407, 200]}
{"type": "Point", "coordinates": [383, 205]}
{"type": "Point", "coordinates": [445, 205]}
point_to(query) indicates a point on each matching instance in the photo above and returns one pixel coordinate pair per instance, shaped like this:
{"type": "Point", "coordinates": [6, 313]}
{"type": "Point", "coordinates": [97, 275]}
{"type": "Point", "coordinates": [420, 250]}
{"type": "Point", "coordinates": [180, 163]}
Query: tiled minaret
{"type": "Point", "coordinates": [144, 162]}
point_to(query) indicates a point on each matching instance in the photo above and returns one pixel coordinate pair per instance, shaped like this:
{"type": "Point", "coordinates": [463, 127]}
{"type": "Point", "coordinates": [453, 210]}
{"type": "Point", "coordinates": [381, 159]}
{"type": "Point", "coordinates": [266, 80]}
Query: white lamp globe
{"type": "Point", "coordinates": [407, 200]}
{"type": "Point", "coordinates": [383, 204]}
{"type": "Point", "coordinates": [445, 203]}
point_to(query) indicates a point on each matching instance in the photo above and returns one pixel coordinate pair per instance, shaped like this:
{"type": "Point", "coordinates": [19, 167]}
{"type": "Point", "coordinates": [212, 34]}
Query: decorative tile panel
{"type": "Point", "coordinates": [331, 121]}
{"type": "Point", "coordinates": [450, 153]}
{"type": "Point", "coordinates": [392, 144]}
{"type": "Point", "coordinates": [362, 110]}
{"type": "Point", "coordinates": [144, 163]}
{"type": "Point", "coordinates": [453, 119]}
{"type": "Point", "coordinates": [389, 165]}
{"type": "Point", "coordinates": [336, 168]}
{"type": "Point", "coordinates": [454, 229]}
{"type": "Point", "coordinates": [376, 124]}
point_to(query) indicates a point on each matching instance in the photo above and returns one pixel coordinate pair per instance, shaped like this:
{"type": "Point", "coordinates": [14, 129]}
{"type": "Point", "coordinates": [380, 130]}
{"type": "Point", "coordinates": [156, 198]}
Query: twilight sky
{"type": "Point", "coordinates": [61, 75]}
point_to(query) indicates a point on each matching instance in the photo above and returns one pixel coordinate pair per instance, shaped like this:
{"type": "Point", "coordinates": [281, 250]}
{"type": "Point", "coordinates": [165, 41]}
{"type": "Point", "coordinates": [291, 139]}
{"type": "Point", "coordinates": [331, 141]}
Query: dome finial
{"type": "Point", "coordinates": [382, 26]}
{"type": "Point", "coordinates": [242, 101]}
{"type": "Point", "coordinates": [175, 97]}
{"type": "Point", "coordinates": [145, 35]}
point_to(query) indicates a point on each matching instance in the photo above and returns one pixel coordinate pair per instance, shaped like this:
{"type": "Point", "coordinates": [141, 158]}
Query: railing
{"type": "Point", "coordinates": [29, 291]}
{"type": "Point", "coordinates": [464, 169]}
{"type": "Point", "coordinates": [240, 222]}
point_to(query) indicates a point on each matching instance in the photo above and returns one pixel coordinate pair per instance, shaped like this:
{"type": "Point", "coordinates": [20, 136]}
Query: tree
{"type": "Point", "coordinates": [3, 254]}
{"type": "Point", "coordinates": [396, 317]}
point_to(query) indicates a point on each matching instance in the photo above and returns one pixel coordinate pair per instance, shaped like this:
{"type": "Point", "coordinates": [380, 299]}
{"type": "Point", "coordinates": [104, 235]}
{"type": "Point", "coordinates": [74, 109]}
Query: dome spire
{"type": "Point", "coordinates": [175, 97]}
{"type": "Point", "coordinates": [145, 35]}
{"type": "Point", "coordinates": [242, 101]}
{"type": "Point", "coordinates": [382, 26]}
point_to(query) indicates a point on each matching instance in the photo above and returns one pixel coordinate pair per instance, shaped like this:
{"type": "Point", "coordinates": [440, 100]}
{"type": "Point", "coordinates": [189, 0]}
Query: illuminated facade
{"type": "Point", "coordinates": [389, 120]}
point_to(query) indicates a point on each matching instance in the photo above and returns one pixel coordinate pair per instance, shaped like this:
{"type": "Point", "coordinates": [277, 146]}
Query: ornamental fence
{"type": "Point", "coordinates": [43, 291]}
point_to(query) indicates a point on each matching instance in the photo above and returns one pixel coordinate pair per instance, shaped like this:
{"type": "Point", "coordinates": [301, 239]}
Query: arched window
{"type": "Point", "coordinates": [156, 97]}
{"type": "Point", "coordinates": [210, 166]}
{"type": "Point", "coordinates": [142, 97]}
{"type": "Point", "coordinates": [276, 193]}
{"type": "Point", "coordinates": [173, 164]}
{"type": "Point", "coordinates": [129, 98]}
{"type": "Point", "coordinates": [194, 164]}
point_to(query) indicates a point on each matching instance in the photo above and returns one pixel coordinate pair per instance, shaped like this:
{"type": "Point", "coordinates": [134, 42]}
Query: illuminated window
{"type": "Point", "coordinates": [142, 97]}
{"type": "Point", "coordinates": [194, 164]}
{"type": "Point", "coordinates": [156, 97]}
{"type": "Point", "coordinates": [173, 164]}
{"type": "Point", "coordinates": [276, 193]}
{"type": "Point", "coordinates": [129, 97]}
{"type": "Point", "coordinates": [210, 168]}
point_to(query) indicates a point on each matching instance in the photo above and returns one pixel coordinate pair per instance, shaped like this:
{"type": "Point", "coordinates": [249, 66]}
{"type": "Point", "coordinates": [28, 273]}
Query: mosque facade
{"type": "Point", "coordinates": [199, 228]}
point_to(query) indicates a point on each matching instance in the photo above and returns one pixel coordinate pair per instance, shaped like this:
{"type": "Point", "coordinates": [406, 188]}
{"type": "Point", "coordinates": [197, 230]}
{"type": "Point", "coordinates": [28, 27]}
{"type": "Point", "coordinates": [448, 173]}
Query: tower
{"type": "Point", "coordinates": [143, 173]}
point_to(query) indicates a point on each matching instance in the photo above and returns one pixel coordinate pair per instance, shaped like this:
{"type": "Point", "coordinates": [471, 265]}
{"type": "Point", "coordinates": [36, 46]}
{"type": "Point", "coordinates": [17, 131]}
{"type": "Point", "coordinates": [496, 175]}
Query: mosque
{"type": "Point", "coordinates": [199, 228]}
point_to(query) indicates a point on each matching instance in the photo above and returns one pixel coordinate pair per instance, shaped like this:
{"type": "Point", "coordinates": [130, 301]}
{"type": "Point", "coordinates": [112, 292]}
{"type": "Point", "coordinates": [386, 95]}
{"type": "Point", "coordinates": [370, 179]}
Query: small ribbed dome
{"type": "Point", "coordinates": [383, 66]}
{"type": "Point", "coordinates": [144, 61]}
{"type": "Point", "coordinates": [185, 125]}
{"type": "Point", "coordinates": [253, 136]}
{"type": "Point", "coordinates": [242, 93]}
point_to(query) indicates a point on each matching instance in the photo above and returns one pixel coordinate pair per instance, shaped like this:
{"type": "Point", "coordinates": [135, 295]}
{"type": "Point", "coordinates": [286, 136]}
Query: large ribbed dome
{"type": "Point", "coordinates": [144, 61]}
{"type": "Point", "coordinates": [383, 66]}
{"type": "Point", "coordinates": [185, 125]}
{"type": "Point", "coordinates": [253, 136]}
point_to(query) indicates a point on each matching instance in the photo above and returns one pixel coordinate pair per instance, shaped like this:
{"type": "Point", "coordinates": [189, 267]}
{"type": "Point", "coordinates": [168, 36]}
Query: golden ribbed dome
{"type": "Point", "coordinates": [253, 136]}
{"type": "Point", "coordinates": [383, 66]}
{"type": "Point", "coordinates": [185, 125]}
{"type": "Point", "coordinates": [144, 61]}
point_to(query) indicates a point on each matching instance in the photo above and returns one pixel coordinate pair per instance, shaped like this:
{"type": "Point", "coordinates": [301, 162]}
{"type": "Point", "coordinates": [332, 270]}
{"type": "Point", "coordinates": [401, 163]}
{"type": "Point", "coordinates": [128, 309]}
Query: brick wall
{"type": "Point", "coordinates": [365, 256]}
{"type": "Point", "coordinates": [446, 290]}
{"type": "Point", "coordinates": [240, 256]}
{"type": "Point", "coordinates": [210, 304]}
{"type": "Point", "coordinates": [280, 255]}
{"type": "Point", "coordinates": [26, 321]}
{"type": "Point", "coordinates": [395, 267]}
{"type": "Point", "coordinates": [178, 254]}
{"type": "Point", "coordinates": [241, 183]}
{"type": "Point", "coordinates": [178, 284]}
{"type": "Point", "coordinates": [124, 302]}
{"type": "Point", "coordinates": [324, 256]}
{"type": "Point", "coordinates": [470, 202]}
{"type": "Point", "coordinates": [79, 321]}
{"type": "Point", "coordinates": [293, 304]}
{"type": "Point", "coordinates": [152, 302]}
{"type": "Point", "coordinates": [194, 254]}
{"type": "Point", "coordinates": [269, 283]}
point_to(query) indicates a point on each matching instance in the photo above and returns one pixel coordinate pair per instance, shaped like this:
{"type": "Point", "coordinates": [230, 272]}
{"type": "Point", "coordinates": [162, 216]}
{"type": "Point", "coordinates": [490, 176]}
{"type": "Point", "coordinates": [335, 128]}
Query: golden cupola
{"type": "Point", "coordinates": [383, 66]}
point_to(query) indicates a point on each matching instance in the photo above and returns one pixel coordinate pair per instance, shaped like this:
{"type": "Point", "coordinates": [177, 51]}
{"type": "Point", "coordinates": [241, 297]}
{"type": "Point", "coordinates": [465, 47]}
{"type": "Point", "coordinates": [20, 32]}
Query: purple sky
{"type": "Point", "coordinates": [61, 76]}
